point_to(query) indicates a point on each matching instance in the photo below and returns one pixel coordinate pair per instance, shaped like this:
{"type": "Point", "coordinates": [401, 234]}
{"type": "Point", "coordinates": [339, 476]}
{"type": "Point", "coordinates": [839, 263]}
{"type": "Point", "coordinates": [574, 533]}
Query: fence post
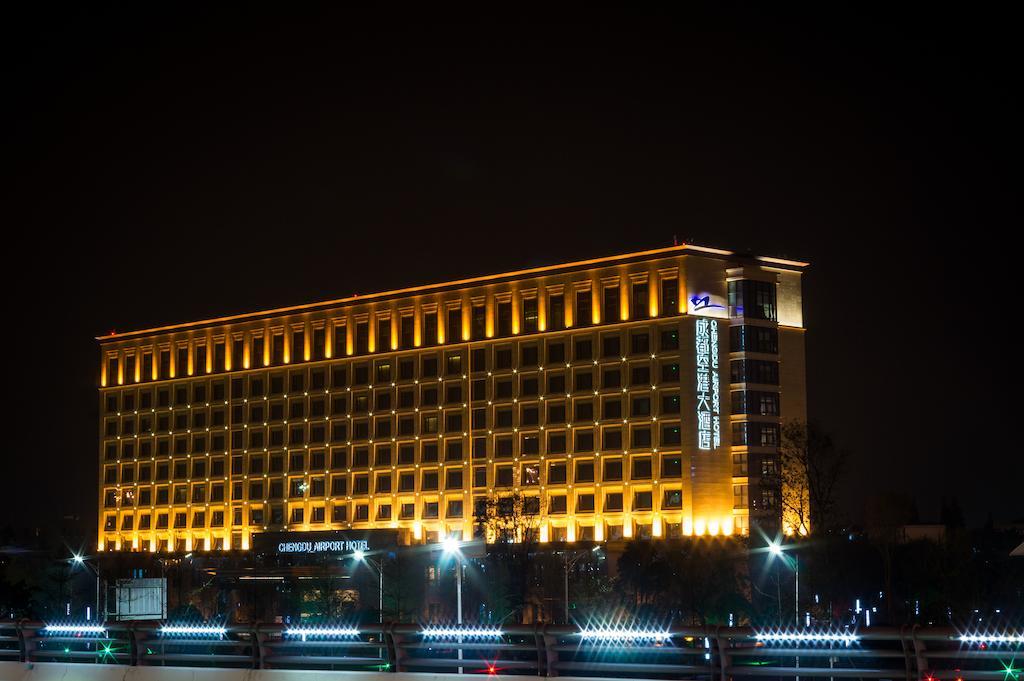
{"type": "Point", "coordinates": [22, 643]}
{"type": "Point", "coordinates": [724, 658]}
{"type": "Point", "coordinates": [550, 654]}
{"type": "Point", "coordinates": [258, 653]}
{"type": "Point", "coordinates": [919, 654]}
{"type": "Point", "coordinates": [388, 635]}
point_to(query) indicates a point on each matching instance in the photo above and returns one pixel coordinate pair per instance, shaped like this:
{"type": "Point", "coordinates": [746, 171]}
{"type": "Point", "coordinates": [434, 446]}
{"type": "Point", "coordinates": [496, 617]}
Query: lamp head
{"type": "Point", "coordinates": [359, 554]}
{"type": "Point", "coordinates": [450, 545]}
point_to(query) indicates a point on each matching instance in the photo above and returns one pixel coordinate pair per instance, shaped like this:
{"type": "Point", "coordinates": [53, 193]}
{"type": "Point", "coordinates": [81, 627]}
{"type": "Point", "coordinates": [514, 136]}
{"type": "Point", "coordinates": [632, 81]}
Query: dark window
{"type": "Point", "coordinates": [756, 402]}
{"type": "Point", "coordinates": [754, 371]}
{"type": "Point", "coordinates": [505, 318]}
{"type": "Point", "coordinates": [454, 328]}
{"type": "Point", "coordinates": [640, 307]}
{"type": "Point", "coordinates": [479, 322]}
{"type": "Point", "coordinates": [753, 299]}
{"type": "Point", "coordinates": [755, 434]}
{"type": "Point", "coordinates": [556, 313]}
{"type": "Point", "coordinates": [584, 312]}
{"type": "Point", "coordinates": [611, 304]}
{"type": "Point", "coordinates": [754, 339]}
{"type": "Point", "coordinates": [669, 297]}
{"type": "Point", "coordinates": [407, 332]}
{"type": "Point", "coordinates": [430, 328]}
{"type": "Point", "coordinates": [530, 318]}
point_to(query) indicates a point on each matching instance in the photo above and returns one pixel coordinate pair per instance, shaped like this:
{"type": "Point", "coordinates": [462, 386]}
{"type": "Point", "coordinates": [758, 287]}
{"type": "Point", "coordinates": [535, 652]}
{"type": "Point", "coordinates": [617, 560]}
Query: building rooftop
{"type": "Point", "coordinates": [428, 288]}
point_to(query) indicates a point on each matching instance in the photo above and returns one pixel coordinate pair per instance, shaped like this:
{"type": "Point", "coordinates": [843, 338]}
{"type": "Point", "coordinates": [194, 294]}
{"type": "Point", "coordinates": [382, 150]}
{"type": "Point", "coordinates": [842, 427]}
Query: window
{"type": "Point", "coordinates": [669, 297]}
{"type": "Point", "coordinates": [505, 318]}
{"type": "Point", "coordinates": [612, 503]}
{"type": "Point", "coordinates": [673, 498]}
{"type": "Point", "coordinates": [557, 474]}
{"type": "Point", "coordinates": [556, 312]}
{"type": "Point", "coordinates": [611, 346]}
{"type": "Point", "coordinates": [755, 434]}
{"type": "Point", "coordinates": [643, 501]}
{"type": "Point", "coordinates": [756, 402]}
{"type": "Point", "coordinates": [754, 371]}
{"type": "Point", "coordinates": [639, 343]}
{"type": "Point", "coordinates": [557, 504]}
{"type": "Point", "coordinates": [478, 324]}
{"type": "Point", "coordinates": [642, 468]}
{"type": "Point", "coordinates": [530, 315]}
{"type": "Point", "coordinates": [453, 331]}
{"type": "Point", "coordinates": [430, 328]}
{"type": "Point", "coordinates": [671, 466]}
{"type": "Point", "coordinates": [610, 303]}
{"type": "Point", "coordinates": [585, 503]}
{"type": "Point", "coordinates": [753, 299]}
{"type": "Point", "coordinates": [584, 471]}
{"type": "Point", "coordinates": [739, 496]}
{"type": "Point", "coordinates": [584, 311]}
{"type": "Point", "coordinates": [407, 333]}
{"type": "Point", "coordinates": [754, 339]}
{"type": "Point", "coordinates": [612, 470]}
{"type": "Point", "coordinates": [640, 307]}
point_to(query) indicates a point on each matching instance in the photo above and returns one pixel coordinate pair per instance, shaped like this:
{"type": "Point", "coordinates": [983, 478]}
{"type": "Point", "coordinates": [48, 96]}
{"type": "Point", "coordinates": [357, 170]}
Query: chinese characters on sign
{"type": "Point", "coordinates": [709, 427]}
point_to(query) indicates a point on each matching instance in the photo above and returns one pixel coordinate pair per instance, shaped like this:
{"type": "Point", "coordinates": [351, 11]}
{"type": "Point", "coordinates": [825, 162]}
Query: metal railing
{"type": "Point", "coordinates": [715, 654]}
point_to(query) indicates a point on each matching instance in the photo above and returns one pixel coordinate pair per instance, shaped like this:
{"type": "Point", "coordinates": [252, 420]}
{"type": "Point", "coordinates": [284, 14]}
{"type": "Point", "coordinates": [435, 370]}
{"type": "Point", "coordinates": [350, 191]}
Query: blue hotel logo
{"type": "Point", "coordinates": [704, 302]}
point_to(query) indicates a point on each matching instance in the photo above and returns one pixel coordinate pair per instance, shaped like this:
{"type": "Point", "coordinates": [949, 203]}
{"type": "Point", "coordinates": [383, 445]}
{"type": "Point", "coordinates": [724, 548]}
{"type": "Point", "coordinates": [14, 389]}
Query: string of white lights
{"type": "Point", "coordinates": [193, 630]}
{"type": "Point", "coordinates": [75, 629]}
{"type": "Point", "coordinates": [992, 639]}
{"type": "Point", "coordinates": [623, 634]}
{"type": "Point", "coordinates": [321, 632]}
{"type": "Point", "coordinates": [808, 637]}
{"type": "Point", "coordinates": [455, 632]}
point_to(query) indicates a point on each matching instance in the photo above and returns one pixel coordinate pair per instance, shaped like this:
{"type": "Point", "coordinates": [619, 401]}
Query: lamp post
{"type": "Point", "coordinates": [78, 559]}
{"type": "Point", "coordinates": [777, 550]}
{"type": "Point", "coordinates": [360, 556]}
{"type": "Point", "coordinates": [569, 564]}
{"type": "Point", "coordinates": [451, 547]}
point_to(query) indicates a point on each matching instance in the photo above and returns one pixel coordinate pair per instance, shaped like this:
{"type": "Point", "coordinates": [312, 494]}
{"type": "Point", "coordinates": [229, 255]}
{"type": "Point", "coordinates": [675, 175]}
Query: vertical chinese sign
{"type": "Point", "coordinates": [709, 426]}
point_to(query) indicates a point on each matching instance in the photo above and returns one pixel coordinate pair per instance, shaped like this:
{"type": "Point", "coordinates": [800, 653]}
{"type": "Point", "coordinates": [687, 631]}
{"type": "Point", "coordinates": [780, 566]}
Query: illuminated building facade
{"type": "Point", "coordinates": [638, 395]}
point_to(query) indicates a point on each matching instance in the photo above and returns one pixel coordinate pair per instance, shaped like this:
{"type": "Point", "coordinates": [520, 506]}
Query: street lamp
{"type": "Point", "coordinates": [776, 549]}
{"type": "Point", "coordinates": [451, 547]}
{"type": "Point", "coordinates": [78, 559]}
{"type": "Point", "coordinates": [360, 556]}
{"type": "Point", "coordinates": [569, 564]}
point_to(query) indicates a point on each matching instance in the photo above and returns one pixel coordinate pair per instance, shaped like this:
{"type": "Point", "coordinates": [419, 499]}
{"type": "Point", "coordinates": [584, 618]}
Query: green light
{"type": "Point", "coordinates": [1009, 671]}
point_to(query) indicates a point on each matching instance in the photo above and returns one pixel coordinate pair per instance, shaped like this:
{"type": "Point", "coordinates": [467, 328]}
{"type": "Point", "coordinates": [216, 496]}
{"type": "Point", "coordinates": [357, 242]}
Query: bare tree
{"type": "Point", "coordinates": [812, 466]}
{"type": "Point", "coordinates": [511, 525]}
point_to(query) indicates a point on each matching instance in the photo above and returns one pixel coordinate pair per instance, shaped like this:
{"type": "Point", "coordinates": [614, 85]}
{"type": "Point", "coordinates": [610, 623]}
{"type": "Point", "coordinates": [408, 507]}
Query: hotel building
{"type": "Point", "coordinates": [639, 395]}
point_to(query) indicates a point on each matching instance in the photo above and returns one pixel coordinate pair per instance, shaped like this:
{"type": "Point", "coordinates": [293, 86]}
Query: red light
{"type": "Point", "coordinates": [492, 670]}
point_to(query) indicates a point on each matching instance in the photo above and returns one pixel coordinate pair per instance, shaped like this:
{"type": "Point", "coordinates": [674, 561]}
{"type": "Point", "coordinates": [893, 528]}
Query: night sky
{"type": "Point", "coordinates": [168, 166]}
